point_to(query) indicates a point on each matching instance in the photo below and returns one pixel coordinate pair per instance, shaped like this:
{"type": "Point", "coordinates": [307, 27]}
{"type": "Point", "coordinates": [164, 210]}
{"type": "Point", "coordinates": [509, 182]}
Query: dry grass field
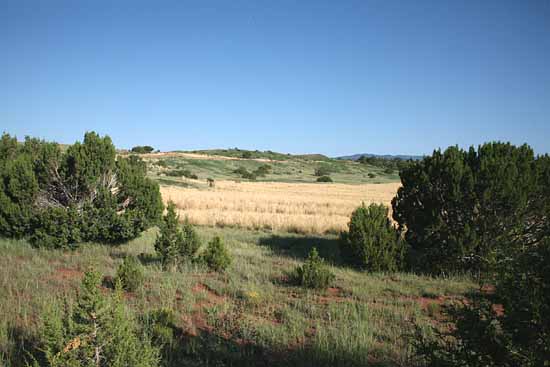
{"type": "Point", "coordinates": [301, 208]}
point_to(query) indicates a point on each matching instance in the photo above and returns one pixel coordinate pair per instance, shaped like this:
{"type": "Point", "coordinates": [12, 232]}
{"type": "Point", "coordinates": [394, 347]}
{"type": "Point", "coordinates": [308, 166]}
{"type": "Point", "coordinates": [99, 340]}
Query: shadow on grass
{"type": "Point", "coordinates": [209, 349]}
{"type": "Point", "coordinates": [299, 247]}
{"type": "Point", "coordinates": [206, 348]}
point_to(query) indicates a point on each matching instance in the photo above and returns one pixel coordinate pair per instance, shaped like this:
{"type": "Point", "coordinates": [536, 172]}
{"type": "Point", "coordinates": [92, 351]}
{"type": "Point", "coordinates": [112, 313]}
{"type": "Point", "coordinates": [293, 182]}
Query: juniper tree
{"type": "Point", "coordinates": [461, 209]}
{"type": "Point", "coordinates": [99, 331]}
{"type": "Point", "coordinates": [372, 242]}
{"type": "Point", "coordinates": [86, 191]}
{"type": "Point", "coordinates": [169, 239]}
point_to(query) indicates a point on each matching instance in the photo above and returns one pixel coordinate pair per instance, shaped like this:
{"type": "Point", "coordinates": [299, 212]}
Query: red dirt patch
{"type": "Point", "coordinates": [333, 294]}
{"type": "Point", "coordinates": [498, 309]}
{"type": "Point", "coordinates": [197, 321]}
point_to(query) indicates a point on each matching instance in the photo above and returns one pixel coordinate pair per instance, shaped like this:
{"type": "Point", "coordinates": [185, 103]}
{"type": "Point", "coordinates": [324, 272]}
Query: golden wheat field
{"type": "Point", "coordinates": [294, 207]}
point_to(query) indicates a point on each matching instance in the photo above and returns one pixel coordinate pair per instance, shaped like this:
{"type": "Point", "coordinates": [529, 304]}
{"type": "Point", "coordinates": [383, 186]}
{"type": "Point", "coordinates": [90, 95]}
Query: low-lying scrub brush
{"type": "Point", "coordinates": [324, 179]}
{"type": "Point", "coordinates": [182, 173]}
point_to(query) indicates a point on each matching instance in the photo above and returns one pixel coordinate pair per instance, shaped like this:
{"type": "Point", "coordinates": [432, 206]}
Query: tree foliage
{"type": "Point", "coordinates": [130, 274]}
{"type": "Point", "coordinates": [372, 242]}
{"type": "Point", "coordinates": [216, 256]}
{"type": "Point", "coordinates": [83, 194]}
{"type": "Point", "coordinates": [460, 209]}
{"type": "Point", "coordinates": [175, 244]}
{"type": "Point", "coordinates": [509, 328]}
{"type": "Point", "coordinates": [98, 331]}
{"type": "Point", "coordinates": [314, 273]}
{"type": "Point", "coordinates": [142, 149]}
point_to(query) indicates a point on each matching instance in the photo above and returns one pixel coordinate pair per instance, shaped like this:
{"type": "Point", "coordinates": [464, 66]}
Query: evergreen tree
{"type": "Point", "coordinates": [460, 209]}
{"type": "Point", "coordinates": [98, 332]}
{"type": "Point", "coordinates": [216, 256]}
{"type": "Point", "coordinates": [170, 238]}
{"type": "Point", "coordinates": [85, 191]}
{"type": "Point", "coordinates": [372, 242]}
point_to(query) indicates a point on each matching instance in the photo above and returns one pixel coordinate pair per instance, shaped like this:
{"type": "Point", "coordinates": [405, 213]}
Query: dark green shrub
{"type": "Point", "coordinates": [216, 256]}
{"type": "Point", "coordinates": [460, 208]}
{"type": "Point", "coordinates": [190, 243]}
{"type": "Point", "coordinates": [246, 154]}
{"type": "Point", "coordinates": [161, 325]}
{"type": "Point", "coordinates": [388, 171]}
{"type": "Point", "coordinates": [372, 243]}
{"type": "Point", "coordinates": [244, 173]}
{"type": "Point", "coordinates": [324, 179]}
{"type": "Point", "coordinates": [169, 239]}
{"type": "Point", "coordinates": [142, 149]}
{"type": "Point", "coordinates": [83, 194]}
{"type": "Point", "coordinates": [322, 171]}
{"type": "Point", "coordinates": [97, 331]}
{"type": "Point", "coordinates": [517, 335]}
{"type": "Point", "coordinates": [314, 273]}
{"type": "Point", "coordinates": [56, 228]}
{"type": "Point", "coordinates": [176, 244]}
{"type": "Point", "coordinates": [130, 274]}
{"type": "Point", "coordinates": [263, 170]}
{"type": "Point", "coordinates": [371, 175]}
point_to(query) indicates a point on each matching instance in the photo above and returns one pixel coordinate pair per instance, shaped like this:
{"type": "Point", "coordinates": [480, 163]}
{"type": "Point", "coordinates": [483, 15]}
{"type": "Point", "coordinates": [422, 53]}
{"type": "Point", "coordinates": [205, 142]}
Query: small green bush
{"type": "Point", "coordinates": [371, 175]}
{"type": "Point", "coordinates": [176, 244]}
{"type": "Point", "coordinates": [190, 242]}
{"type": "Point", "coordinates": [142, 149]}
{"type": "Point", "coordinates": [322, 171]}
{"type": "Point", "coordinates": [324, 179]}
{"type": "Point", "coordinates": [130, 274]}
{"type": "Point", "coordinates": [314, 273]}
{"type": "Point", "coordinates": [216, 256]}
{"type": "Point", "coordinates": [97, 330]}
{"type": "Point", "coordinates": [372, 242]}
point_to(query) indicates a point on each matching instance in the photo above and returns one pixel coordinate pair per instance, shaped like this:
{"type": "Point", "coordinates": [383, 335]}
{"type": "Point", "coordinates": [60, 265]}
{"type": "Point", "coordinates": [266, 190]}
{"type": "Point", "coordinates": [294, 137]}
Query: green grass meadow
{"type": "Point", "coordinates": [247, 316]}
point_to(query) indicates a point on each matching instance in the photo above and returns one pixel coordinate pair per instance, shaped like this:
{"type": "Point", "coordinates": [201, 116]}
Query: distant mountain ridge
{"type": "Point", "coordinates": [404, 157]}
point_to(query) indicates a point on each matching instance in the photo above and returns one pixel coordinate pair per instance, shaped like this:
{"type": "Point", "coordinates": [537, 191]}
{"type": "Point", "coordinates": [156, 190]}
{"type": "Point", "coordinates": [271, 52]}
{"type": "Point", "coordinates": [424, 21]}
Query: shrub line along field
{"type": "Point", "coordinates": [301, 208]}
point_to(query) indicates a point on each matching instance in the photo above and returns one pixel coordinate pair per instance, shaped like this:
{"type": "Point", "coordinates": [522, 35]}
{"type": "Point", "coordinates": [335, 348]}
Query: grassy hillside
{"type": "Point", "coordinates": [293, 169]}
{"type": "Point", "coordinates": [248, 316]}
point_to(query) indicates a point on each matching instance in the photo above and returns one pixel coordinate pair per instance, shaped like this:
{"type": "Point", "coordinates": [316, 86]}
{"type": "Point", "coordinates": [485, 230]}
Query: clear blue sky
{"type": "Point", "coordinates": [333, 77]}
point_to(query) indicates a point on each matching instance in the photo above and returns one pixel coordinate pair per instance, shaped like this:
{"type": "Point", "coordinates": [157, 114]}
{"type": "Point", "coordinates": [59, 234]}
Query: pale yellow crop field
{"type": "Point", "coordinates": [294, 207]}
